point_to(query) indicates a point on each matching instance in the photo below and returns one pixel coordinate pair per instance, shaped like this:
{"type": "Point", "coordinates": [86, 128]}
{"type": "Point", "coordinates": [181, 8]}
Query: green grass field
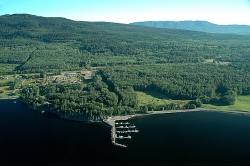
{"type": "Point", "coordinates": [242, 103]}
{"type": "Point", "coordinates": [156, 98]}
{"type": "Point", "coordinates": [209, 60]}
{"type": "Point", "coordinates": [7, 92]}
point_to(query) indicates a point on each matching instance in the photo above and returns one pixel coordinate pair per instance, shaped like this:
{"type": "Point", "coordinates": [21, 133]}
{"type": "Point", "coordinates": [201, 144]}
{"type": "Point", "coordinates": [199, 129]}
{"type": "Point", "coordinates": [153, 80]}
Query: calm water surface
{"type": "Point", "coordinates": [27, 137]}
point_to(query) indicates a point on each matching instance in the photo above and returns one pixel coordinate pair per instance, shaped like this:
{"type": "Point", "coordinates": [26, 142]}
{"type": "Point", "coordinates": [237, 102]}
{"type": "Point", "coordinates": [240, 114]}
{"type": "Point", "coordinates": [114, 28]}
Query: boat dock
{"type": "Point", "coordinates": [112, 123]}
{"type": "Point", "coordinates": [117, 123]}
{"type": "Point", "coordinates": [128, 131]}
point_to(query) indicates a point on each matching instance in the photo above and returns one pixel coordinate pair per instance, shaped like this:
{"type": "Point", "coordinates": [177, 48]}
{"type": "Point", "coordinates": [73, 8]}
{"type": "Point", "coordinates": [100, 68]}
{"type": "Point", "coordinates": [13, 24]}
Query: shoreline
{"type": "Point", "coordinates": [126, 117]}
{"type": "Point", "coordinates": [6, 98]}
{"type": "Point", "coordinates": [110, 121]}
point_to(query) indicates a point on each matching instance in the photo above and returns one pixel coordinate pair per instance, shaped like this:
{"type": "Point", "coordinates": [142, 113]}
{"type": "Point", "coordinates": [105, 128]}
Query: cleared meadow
{"type": "Point", "coordinates": [156, 98]}
{"type": "Point", "coordinates": [242, 103]}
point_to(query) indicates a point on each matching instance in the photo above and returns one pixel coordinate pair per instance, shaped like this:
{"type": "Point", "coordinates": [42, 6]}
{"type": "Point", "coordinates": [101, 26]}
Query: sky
{"type": "Point", "coordinates": [222, 12]}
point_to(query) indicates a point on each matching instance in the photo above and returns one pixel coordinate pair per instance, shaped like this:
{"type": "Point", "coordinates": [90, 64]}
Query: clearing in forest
{"type": "Point", "coordinates": [156, 98]}
{"type": "Point", "coordinates": [241, 104]}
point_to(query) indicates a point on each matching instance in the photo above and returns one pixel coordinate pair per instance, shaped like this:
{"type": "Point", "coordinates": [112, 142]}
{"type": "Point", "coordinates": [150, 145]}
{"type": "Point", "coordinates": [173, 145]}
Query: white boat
{"type": "Point", "coordinates": [121, 131]}
{"type": "Point", "coordinates": [120, 127]}
{"type": "Point", "coordinates": [121, 123]}
{"type": "Point", "coordinates": [134, 131]}
{"type": "Point", "coordinates": [128, 137]}
{"type": "Point", "coordinates": [120, 137]}
{"type": "Point", "coordinates": [132, 126]}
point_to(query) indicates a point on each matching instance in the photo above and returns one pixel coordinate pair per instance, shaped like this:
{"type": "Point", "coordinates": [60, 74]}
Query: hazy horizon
{"type": "Point", "coordinates": [221, 12]}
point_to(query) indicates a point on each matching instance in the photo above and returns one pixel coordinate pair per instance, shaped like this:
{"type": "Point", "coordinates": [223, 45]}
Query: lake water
{"type": "Point", "coordinates": [28, 137]}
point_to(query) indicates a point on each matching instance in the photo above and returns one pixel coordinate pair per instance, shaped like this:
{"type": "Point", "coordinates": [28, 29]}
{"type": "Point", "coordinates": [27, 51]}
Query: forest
{"type": "Point", "coordinates": [181, 64]}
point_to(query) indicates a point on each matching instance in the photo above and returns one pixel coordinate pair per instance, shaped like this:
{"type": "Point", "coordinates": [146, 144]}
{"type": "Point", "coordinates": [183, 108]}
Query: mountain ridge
{"type": "Point", "coordinates": [201, 26]}
{"type": "Point", "coordinates": [26, 25]}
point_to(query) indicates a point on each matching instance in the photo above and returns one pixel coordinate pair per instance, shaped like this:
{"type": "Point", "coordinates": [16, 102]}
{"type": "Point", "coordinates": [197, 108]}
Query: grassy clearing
{"type": "Point", "coordinates": [156, 98]}
{"type": "Point", "coordinates": [225, 63]}
{"type": "Point", "coordinates": [7, 80]}
{"type": "Point", "coordinates": [7, 92]}
{"type": "Point", "coordinates": [5, 88]}
{"type": "Point", "coordinates": [209, 60]}
{"type": "Point", "coordinates": [151, 97]}
{"type": "Point", "coordinates": [242, 103]}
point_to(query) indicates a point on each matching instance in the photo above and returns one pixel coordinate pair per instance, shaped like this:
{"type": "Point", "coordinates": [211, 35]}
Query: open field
{"type": "Point", "coordinates": [209, 60]}
{"type": "Point", "coordinates": [6, 92]}
{"type": "Point", "coordinates": [156, 98]}
{"type": "Point", "coordinates": [225, 63]}
{"type": "Point", "coordinates": [242, 103]}
{"type": "Point", "coordinates": [7, 79]}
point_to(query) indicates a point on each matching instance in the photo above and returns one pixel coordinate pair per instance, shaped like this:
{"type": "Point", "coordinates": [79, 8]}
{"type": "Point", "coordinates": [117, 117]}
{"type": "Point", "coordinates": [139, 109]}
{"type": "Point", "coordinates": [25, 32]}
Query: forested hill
{"type": "Point", "coordinates": [31, 43]}
{"type": "Point", "coordinates": [41, 28]}
{"type": "Point", "coordinates": [188, 66]}
{"type": "Point", "coordinates": [202, 26]}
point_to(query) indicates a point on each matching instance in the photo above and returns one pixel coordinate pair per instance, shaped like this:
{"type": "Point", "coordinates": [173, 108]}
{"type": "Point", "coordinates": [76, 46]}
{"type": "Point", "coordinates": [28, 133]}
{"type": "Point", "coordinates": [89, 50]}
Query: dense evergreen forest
{"type": "Point", "coordinates": [184, 65]}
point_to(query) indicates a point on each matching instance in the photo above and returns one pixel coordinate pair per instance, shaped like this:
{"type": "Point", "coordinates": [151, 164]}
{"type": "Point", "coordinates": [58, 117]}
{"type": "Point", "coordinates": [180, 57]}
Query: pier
{"type": "Point", "coordinates": [111, 121]}
{"type": "Point", "coordinates": [128, 131]}
{"type": "Point", "coordinates": [121, 123]}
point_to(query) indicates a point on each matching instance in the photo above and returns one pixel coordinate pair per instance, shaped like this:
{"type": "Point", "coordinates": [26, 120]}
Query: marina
{"type": "Point", "coordinates": [216, 138]}
{"type": "Point", "coordinates": [117, 122]}
{"type": "Point", "coordinates": [114, 132]}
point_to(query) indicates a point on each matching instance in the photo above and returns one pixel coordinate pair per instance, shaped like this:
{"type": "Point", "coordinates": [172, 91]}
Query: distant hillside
{"type": "Point", "coordinates": [202, 26]}
{"type": "Point", "coordinates": [31, 43]}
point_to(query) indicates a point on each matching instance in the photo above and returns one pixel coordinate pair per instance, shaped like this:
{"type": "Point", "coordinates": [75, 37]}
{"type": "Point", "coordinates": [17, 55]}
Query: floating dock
{"type": "Point", "coordinates": [111, 123]}
{"type": "Point", "coordinates": [128, 131]}
{"type": "Point", "coordinates": [121, 123]}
